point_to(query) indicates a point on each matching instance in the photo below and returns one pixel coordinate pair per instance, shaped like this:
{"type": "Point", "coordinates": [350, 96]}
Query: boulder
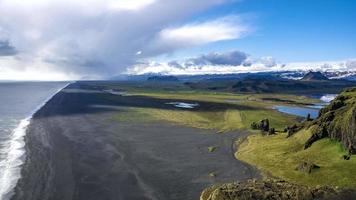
{"type": "Point", "coordinates": [263, 125]}
{"type": "Point", "coordinates": [293, 129]}
{"type": "Point", "coordinates": [346, 157]}
{"type": "Point", "coordinates": [308, 118]}
{"type": "Point", "coordinates": [254, 126]}
{"type": "Point", "coordinates": [271, 131]}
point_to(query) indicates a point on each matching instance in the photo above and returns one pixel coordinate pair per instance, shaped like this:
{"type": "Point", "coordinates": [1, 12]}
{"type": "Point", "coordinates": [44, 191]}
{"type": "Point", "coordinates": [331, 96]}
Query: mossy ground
{"type": "Point", "coordinates": [279, 156]}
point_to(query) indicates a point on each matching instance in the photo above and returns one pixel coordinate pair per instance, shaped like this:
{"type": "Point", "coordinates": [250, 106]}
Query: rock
{"type": "Point", "coordinates": [254, 126]}
{"type": "Point", "coordinates": [308, 118]}
{"type": "Point", "coordinates": [346, 157]}
{"type": "Point", "coordinates": [307, 167]}
{"type": "Point", "coordinates": [286, 129]}
{"type": "Point", "coordinates": [266, 190]}
{"type": "Point", "coordinates": [293, 129]}
{"type": "Point", "coordinates": [271, 131]}
{"type": "Point", "coordinates": [263, 125]}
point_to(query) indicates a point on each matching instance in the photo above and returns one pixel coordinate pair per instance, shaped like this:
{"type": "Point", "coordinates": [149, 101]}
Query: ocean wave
{"type": "Point", "coordinates": [15, 154]}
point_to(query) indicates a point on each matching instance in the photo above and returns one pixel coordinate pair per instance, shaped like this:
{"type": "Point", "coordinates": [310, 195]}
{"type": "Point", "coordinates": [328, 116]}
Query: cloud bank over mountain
{"type": "Point", "coordinates": [235, 62]}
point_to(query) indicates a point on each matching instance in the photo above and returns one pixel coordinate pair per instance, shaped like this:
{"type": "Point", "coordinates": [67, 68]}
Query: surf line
{"type": "Point", "coordinates": [16, 153]}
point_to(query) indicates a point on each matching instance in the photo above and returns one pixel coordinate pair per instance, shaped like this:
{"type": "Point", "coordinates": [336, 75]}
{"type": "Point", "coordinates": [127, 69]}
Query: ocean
{"type": "Point", "coordinates": [18, 102]}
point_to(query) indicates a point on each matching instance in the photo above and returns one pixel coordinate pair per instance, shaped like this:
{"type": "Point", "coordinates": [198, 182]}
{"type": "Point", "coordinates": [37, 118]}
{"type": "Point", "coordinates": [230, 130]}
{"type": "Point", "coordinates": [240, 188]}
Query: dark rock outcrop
{"type": "Point", "coordinates": [290, 130]}
{"type": "Point", "coordinates": [263, 125]}
{"type": "Point", "coordinates": [308, 118]}
{"type": "Point", "coordinates": [271, 131]}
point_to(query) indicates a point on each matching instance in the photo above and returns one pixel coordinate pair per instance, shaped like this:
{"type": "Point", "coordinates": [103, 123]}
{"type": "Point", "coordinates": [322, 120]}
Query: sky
{"type": "Point", "coordinates": [98, 39]}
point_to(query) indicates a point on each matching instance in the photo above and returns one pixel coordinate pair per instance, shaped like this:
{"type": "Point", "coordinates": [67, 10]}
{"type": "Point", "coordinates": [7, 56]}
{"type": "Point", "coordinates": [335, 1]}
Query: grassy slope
{"type": "Point", "coordinates": [279, 156]}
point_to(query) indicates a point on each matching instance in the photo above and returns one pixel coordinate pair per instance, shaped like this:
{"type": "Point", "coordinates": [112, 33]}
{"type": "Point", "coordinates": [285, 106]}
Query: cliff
{"type": "Point", "coordinates": [337, 121]}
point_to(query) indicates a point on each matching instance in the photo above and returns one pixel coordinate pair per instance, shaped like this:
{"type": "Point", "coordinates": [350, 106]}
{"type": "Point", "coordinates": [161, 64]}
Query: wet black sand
{"type": "Point", "coordinates": [76, 151]}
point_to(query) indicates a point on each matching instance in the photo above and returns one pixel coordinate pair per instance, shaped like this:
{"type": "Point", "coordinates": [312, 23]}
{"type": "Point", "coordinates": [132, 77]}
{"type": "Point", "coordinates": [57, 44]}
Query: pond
{"type": "Point", "coordinates": [183, 105]}
{"type": "Point", "coordinates": [298, 111]}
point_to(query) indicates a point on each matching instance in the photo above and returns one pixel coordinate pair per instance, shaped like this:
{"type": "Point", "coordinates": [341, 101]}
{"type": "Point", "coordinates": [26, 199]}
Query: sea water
{"type": "Point", "coordinates": [18, 102]}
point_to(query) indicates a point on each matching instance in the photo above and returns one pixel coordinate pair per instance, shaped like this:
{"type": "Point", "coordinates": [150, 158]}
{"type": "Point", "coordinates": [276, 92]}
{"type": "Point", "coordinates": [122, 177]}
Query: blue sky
{"type": "Point", "coordinates": [289, 31]}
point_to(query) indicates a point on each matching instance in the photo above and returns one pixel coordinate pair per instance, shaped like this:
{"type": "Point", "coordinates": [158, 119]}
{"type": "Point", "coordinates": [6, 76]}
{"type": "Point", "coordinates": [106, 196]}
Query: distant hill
{"type": "Point", "coordinates": [162, 78]}
{"type": "Point", "coordinates": [272, 84]}
{"type": "Point", "coordinates": [314, 76]}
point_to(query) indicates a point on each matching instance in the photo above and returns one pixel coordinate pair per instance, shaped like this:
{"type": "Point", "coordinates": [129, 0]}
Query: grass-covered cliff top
{"type": "Point", "coordinates": [280, 156]}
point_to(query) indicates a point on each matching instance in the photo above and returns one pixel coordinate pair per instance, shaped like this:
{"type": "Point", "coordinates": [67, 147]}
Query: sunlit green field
{"type": "Point", "coordinates": [229, 118]}
{"type": "Point", "coordinates": [279, 156]}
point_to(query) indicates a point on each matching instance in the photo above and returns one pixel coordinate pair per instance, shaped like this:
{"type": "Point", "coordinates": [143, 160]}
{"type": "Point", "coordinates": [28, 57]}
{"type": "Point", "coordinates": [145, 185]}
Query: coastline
{"type": "Point", "coordinates": [16, 155]}
{"type": "Point", "coordinates": [76, 152]}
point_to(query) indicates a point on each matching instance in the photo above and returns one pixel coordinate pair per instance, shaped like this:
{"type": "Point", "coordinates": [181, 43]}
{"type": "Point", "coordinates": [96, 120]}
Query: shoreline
{"type": "Point", "coordinates": [16, 156]}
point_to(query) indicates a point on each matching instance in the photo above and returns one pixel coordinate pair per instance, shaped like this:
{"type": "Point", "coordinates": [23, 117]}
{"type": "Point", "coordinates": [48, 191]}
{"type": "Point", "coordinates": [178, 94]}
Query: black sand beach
{"type": "Point", "coordinates": [76, 151]}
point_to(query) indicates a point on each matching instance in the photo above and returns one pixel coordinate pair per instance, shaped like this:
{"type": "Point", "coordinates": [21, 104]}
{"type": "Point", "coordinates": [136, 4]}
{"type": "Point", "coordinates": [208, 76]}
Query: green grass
{"type": "Point", "coordinates": [279, 156]}
{"type": "Point", "coordinates": [227, 119]}
{"type": "Point", "coordinates": [221, 121]}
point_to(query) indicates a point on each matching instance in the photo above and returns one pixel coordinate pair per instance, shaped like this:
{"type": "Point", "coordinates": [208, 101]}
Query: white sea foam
{"type": "Point", "coordinates": [15, 155]}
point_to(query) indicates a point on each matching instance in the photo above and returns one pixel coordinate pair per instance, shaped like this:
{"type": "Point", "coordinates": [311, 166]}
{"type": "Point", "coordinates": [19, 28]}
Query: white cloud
{"type": "Point", "coordinates": [225, 28]}
{"type": "Point", "coordinates": [130, 4]}
{"type": "Point", "coordinates": [235, 62]}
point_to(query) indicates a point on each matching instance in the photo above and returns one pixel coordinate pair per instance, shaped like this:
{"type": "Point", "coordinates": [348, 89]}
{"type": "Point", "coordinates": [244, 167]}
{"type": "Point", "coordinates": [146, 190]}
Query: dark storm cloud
{"type": "Point", "coordinates": [232, 58]}
{"type": "Point", "coordinates": [103, 37]}
{"type": "Point", "coordinates": [6, 49]}
{"type": "Point", "coordinates": [174, 64]}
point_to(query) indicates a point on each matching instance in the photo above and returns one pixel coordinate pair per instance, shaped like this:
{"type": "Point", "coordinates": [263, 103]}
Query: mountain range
{"type": "Point", "coordinates": [295, 75]}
